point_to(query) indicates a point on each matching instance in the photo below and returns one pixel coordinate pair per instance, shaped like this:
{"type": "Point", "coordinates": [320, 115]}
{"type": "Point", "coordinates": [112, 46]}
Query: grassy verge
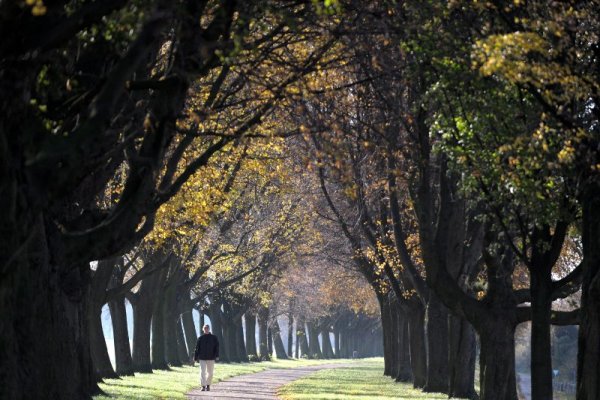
{"type": "Point", "coordinates": [365, 381]}
{"type": "Point", "coordinates": [175, 383]}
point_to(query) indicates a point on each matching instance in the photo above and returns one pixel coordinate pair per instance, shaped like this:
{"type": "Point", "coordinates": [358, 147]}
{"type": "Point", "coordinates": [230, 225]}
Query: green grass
{"type": "Point", "coordinates": [175, 383]}
{"type": "Point", "coordinates": [365, 381]}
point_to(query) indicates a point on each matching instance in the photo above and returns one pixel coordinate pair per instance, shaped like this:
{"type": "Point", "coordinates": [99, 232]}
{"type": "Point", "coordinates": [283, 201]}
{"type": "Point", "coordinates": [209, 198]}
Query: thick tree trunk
{"type": "Point", "coordinates": [436, 326]}
{"type": "Point", "coordinates": [171, 317]}
{"type": "Point", "coordinates": [386, 325]}
{"type": "Point", "coordinates": [101, 360]}
{"type": "Point", "coordinates": [314, 350]}
{"type": "Point", "coordinates": [159, 360]}
{"type": "Point", "coordinates": [99, 282]}
{"type": "Point", "coordinates": [588, 357]}
{"type": "Point", "coordinates": [142, 320]}
{"type": "Point", "coordinates": [143, 303]}
{"type": "Point", "coordinates": [338, 349]}
{"type": "Point", "coordinates": [182, 350]}
{"type": "Point", "coordinates": [497, 361]}
{"type": "Point", "coordinates": [418, 350]}
{"type": "Point", "coordinates": [250, 320]}
{"type": "Point", "coordinates": [263, 337]}
{"type": "Point", "coordinates": [394, 346]}
{"type": "Point", "coordinates": [239, 331]}
{"type": "Point", "coordinates": [541, 352]}
{"type": "Point", "coordinates": [216, 317]}
{"type": "Point", "coordinates": [302, 337]}
{"type": "Point", "coordinates": [229, 335]}
{"type": "Point", "coordinates": [327, 347]}
{"type": "Point", "coordinates": [290, 336]}
{"type": "Point", "coordinates": [461, 358]}
{"type": "Point", "coordinates": [404, 368]}
{"type": "Point", "coordinates": [118, 314]}
{"type": "Point", "coordinates": [44, 343]}
{"type": "Point", "coordinates": [270, 341]}
{"type": "Point", "coordinates": [277, 342]}
{"type": "Point", "coordinates": [191, 336]}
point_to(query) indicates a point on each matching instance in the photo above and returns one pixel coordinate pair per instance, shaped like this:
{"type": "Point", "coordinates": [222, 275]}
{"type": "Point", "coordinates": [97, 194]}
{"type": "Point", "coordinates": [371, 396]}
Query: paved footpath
{"type": "Point", "coordinates": [259, 386]}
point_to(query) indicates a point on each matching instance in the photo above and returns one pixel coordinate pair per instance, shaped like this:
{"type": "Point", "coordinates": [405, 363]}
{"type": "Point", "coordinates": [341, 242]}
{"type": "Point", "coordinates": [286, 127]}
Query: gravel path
{"type": "Point", "coordinates": [259, 386]}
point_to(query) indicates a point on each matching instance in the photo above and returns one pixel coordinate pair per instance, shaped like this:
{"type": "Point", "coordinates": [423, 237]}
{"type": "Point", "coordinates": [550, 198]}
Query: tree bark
{"type": "Point", "coordinates": [404, 367]}
{"type": "Point", "coordinates": [250, 320]}
{"type": "Point", "coordinates": [191, 336]}
{"type": "Point", "coordinates": [239, 331]}
{"type": "Point", "coordinates": [290, 336]}
{"type": "Point", "coordinates": [99, 282]}
{"type": "Point", "coordinates": [159, 360]}
{"type": "Point", "coordinates": [436, 325]}
{"type": "Point", "coordinates": [277, 342]}
{"type": "Point", "coordinates": [588, 356]}
{"type": "Point", "coordinates": [314, 349]}
{"type": "Point", "coordinates": [327, 347]}
{"type": "Point", "coordinates": [143, 303]}
{"type": "Point", "coordinates": [302, 337]}
{"type": "Point", "coordinates": [541, 352]}
{"type": "Point", "coordinates": [118, 314]}
{"type": "Point", "coordinates": [171, 315]}
{"type": "Point", "coordinates": [45, 346]}
{"type": "Point", "coordinates": [461, 358]}
{"type": "Point", "coordinates": [418, 351]}
{"type": "Point", "coordinates": [263, 323]}
{"type": "Point", "coordinates": [182, 349]}
{"type": "Point", "coordinates": [216, 317]}
{"type": "Point", "coordinates": [497, 360]}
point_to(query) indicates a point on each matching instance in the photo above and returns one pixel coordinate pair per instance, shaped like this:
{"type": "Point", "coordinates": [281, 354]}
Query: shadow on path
{"type": "Point", "coordinates": [259, 386]}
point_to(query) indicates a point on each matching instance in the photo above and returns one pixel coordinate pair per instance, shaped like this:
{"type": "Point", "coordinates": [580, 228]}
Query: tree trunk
{"type": "Point", "coordinates": [404, 368]}
{"type": "Point", "coordinates": [497, 361]}
{"type": "Point", "coordinates": [45, 345]}
{"type": "Point", "coordinates": [101, 360]}
{"type": "Point", "coordinates": [239, 330]}
{"type": "Point", "coordinates": [229, 334]}
{"type": "Point", "coordinates": [541, 352]}
{"type": "Point", "coordinates": [394, 341]}
{"type": "Point", "coordinates": [314, 350]}
{"type": "Point", "coordinates": [263, 322]}
{"type": "Point", "coordinates": [327, 347]}
{"type": "Point", "coordinates": [118, 314]}
{"type": "Point", "coordinates": [142, 320]}
{"type": "Point", "coordinates": [588, 357]}
{"type": "Point", "coordinates": [277, 342]}
{"type": "Point", "coordinates": [461, 358]}
{"type": "Point", "coordinates": [302, 337]}
{"type": "Point", "coordinates": [418, 351]}
{"type": "Point", "coordinates": [436, 326]}
{"type": "Point", "coordinates": [99, 282]}
{"type": "Point", "coordinates": [337, 350]}
{"type": "Point", "coordinates": [159, 360]}
{"type": "Point", "coordinates": [250, 320]}
{"type": "Point", "coordinates": [143, 303]}
{"type": "Point", "coordinates": [270, 341]}
{"type": "Point", "coordinates": [171, 317]}
{"type": "Point", "coordinates": [290, 336]}
{"type": "Point", "coordinates": [386, 325]}
{"type": "Point", "coordinates": [215, 314]}
{"type": "Point", "coordinates": [191, 336]}
{"type": "Point", "coordinates": [182, 350]}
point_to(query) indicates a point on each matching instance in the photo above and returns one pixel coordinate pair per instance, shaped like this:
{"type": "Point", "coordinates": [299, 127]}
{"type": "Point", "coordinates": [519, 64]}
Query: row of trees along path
{"type": "Point", "coordinates": [426, 175]}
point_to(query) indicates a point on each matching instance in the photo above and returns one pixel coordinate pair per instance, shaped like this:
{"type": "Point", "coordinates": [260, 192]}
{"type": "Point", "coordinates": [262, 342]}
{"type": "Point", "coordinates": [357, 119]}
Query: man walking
{"type": "Point", "coordinates": [207, 351]}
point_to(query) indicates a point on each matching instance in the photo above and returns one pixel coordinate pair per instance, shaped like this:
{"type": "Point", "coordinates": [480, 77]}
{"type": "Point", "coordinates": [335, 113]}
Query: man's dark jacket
{"type": "Point", "coordinates": [207, 347]}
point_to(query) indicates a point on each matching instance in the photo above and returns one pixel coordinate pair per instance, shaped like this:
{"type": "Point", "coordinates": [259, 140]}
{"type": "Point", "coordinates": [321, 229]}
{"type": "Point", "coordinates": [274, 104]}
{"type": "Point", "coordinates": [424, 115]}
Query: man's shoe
{"type": "Point", "coordinates": [208, 388]}
{"type": "Point", "coordinates": [203, 389]}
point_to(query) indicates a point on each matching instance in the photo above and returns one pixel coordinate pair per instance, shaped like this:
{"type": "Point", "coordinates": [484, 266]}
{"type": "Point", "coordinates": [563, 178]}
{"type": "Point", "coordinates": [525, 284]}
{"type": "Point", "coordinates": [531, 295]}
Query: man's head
{"type": "Point", "coordinates": [206, 328]}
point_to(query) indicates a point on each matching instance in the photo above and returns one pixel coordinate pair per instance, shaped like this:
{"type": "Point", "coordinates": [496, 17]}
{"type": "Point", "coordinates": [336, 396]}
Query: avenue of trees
{"type": "Point", "coordinates": [406, 177]}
